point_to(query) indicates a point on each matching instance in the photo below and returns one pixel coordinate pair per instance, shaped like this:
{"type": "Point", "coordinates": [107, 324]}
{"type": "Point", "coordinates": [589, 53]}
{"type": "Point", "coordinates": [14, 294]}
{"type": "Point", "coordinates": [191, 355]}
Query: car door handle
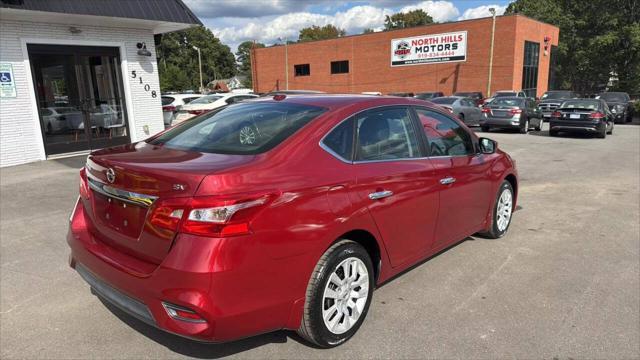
{"type": "Point", "coordinates": [447, 180]}
{"type": "Point", "coordinates": [380, 195]}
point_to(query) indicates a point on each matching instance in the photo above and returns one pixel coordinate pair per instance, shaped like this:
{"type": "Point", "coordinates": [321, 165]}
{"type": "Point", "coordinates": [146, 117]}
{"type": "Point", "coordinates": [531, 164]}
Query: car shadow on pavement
{"type": "Point", "coordinates": [76, 162]}
{"type": "Point", "coordinates": [197, 349]}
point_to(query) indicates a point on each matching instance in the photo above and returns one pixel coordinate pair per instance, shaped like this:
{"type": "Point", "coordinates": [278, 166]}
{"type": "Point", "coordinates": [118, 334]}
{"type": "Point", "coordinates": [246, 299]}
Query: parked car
{"type": "Point", "coordinates": [582, 115]}
{"type": "Point", "coordinates": [204, 235]}
{"type": "Point", "coordinates": [477, 96]}
{"type": "Point", "coordinates": [550, 100]}
{"type": "Point", "coordinates": [171, 103]}
{"type": "Point", "coordinates": [401, 94]}
{"type": "Point", "coordinates": [291, 92]}
{"type": "Point", "coordinates": [464, 108]}
{"type": "Point", "coordinates": [620, 105]}
{"type": "Point", "coordinates": [512, 113]}
{"type": "Point", "coordinates": [504, 93]}
{"type": "Point", "coordinates": [428, 95]}
{"type": "Point", "coordinates": [208, 103]}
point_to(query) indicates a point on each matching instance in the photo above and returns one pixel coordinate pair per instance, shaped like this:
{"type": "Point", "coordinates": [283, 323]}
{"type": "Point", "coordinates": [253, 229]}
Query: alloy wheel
{"type": "Point", "coordinates": [504, 209]}
{"type": "Point", "coordinates": [345, 295]}
{"type": "Point", "coordinates": [247, 135]}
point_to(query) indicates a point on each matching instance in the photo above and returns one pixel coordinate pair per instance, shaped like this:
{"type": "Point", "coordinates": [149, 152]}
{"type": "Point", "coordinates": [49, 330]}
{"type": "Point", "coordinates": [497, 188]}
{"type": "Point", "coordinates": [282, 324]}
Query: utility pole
{"type": "Point", "coordinates": [286, 64]}
{"type": "Point", "coordinates": [199, 65]}
{"type": "Point", "coordinates": [493, 33]}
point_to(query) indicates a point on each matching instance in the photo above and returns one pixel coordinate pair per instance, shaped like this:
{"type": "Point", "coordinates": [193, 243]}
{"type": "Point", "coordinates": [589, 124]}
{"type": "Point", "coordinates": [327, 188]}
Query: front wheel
{"type": "Point", "coordinates": [338, 295]}
{"type": "Point", "coordinates": [525, 128]}
{"type": "Point", "coordinates": [502, 211]}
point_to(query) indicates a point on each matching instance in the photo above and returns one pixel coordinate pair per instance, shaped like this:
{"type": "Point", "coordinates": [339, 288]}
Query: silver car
{"type": "Point", "coordinates": [512, 113]}
{"type": "Point", "coordinates": [462, 107]}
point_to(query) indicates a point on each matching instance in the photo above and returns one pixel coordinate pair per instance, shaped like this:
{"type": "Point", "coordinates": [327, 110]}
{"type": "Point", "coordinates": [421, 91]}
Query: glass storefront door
{"type": "Point", "coordinates": [80, 97]}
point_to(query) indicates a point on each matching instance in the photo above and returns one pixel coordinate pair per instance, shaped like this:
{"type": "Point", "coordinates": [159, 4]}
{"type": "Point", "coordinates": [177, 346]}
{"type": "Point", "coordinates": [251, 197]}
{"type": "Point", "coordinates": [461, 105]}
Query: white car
{"type": "Point", "coordinates": [504, 93]}
{"type": "Point", "coordinates": [207, 103]}
{"type": "Point", "coordinates": [171, 103]}
{"type": "Point", "coordinates": [61, 118]}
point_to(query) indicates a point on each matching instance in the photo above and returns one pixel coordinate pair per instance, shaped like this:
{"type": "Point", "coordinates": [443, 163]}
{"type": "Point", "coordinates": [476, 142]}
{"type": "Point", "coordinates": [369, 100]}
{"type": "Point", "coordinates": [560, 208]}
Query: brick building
{"type": "Point", "coordinates": [445, 57]}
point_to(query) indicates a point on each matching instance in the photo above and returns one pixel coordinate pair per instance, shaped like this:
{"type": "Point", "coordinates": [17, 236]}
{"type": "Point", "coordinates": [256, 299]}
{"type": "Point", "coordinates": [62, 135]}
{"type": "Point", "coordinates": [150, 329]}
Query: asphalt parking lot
{"type": "Point", "coordinates": [564, 282]}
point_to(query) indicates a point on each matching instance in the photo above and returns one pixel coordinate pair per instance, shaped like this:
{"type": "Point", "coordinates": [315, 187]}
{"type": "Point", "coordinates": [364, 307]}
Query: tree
{"type": "Point", "coordinates": [598, 39]}
{"type": "Point", "coordinates": [368, 31]}
{"type": "Point", "coordinates": [405, 20]}
{"type": "Point", "coordinates": [178, 61]}
{"type": "Point", "coordinates": [243, 56]}
{"type": "Point", "coordinates": [320, 33]}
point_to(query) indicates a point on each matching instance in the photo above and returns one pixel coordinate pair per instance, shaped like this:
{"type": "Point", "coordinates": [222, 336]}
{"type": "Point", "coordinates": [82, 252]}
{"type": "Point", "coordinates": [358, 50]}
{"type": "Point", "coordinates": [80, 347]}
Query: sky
{"type": "Point", "coordinates": [267, 21]}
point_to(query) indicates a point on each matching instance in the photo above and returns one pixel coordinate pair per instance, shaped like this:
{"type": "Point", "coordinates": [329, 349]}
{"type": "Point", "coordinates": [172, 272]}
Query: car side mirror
{"type": "Point", "coordinates": [488, 146]}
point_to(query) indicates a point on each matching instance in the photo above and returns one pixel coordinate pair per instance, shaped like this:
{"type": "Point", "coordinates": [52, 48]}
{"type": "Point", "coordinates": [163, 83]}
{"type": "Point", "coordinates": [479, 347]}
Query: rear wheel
{"type": "Point", "coordinates": [338, 295]}
{"type": "Point", "coordinates": [502, 211]}
{"type": "Point", "coordinates": [248, 134]}
{"type": "Point", "coordinates": [539, 127]}
{"type": "Point", "coordinates": [610, 132]}
{"type": "Point", "coordinates": [553, 132]}
{"type": "Point", "coordinates": [485, 128]}
{"type": "Point", "coordinates": [602, 134]}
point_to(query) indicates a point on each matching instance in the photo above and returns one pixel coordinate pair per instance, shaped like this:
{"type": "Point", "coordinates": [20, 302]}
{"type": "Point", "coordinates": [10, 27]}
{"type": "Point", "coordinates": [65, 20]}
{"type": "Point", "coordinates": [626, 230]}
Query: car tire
{"type": "Point", "coordinates": [485, 128]}
{"type": "Point", "coordinates": [501, 216]}
{"type": "Point", "coordinates": [324, 322]}
{"type": "Point", "coordinates": [461, 117]}
{"type": "Point", "coordinates": [49, 128]}
{"type": "Point", "coordinates": [602, 134]}
{"type": "Point", "coordinates": [525, 129]}
{"type": "Point", "coordinates": [610, 132]}
{"type": "Point", "coordinates": [248, 134]}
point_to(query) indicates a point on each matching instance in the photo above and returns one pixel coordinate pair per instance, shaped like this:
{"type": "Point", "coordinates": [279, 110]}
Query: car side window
{"type": "Point", "coordinates": [386, 134]}
{"type": "Point", "coordinates": [340, 140]}
{"type": "Point", "coordinates": [445, 136]}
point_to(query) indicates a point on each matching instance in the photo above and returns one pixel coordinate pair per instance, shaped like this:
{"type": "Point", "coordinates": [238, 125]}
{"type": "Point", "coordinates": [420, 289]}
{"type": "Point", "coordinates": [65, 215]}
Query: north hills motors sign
{"type": "Point", "coordinates": [433, 48]}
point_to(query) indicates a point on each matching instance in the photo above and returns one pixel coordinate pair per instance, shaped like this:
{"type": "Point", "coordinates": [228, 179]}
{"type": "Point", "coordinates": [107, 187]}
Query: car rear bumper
{"type": "Point", "coordinates": [504, 123]}
{"type": "Point", "coordinates": [577, 126]}
{"type": "Point", "coordinates": [233, 296]}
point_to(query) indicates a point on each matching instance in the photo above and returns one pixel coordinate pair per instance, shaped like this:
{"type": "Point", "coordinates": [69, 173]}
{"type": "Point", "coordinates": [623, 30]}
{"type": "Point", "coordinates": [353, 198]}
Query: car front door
{"type": "Point", "coordinates": [396, 182]}
{"type": "Point", "coordinates": [463, 177]}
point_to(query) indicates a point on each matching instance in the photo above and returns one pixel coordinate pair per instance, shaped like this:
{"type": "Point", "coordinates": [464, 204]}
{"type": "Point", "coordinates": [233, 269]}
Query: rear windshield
{"type": "Point", "coordinates": [580, 104]}
{"type": "Point", "coordinates": [206, 99]}
{"type": "Point", "coordinates": [444, 100]}
{"type": "Point", "coordinates": [473, 95]}
{"type": "Point", "coordinates": [166, 100]}
{"type": "Point", "coordinates": [507, 102]}
{"type": "Point", "coordinates": [614, 97]}
{"type": "Point", "coordinates": [246, 128]}
{"type": "Point", "coordinates": [556, 95]}
{"type": "Point", "coordinates": [502, 94]}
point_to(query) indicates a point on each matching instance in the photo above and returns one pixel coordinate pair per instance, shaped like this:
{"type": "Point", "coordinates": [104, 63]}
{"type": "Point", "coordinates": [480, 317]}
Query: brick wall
{"type": "Point", "coordinates": [369, 60]}
{"type": "Point", "coordinates": [20, 134]}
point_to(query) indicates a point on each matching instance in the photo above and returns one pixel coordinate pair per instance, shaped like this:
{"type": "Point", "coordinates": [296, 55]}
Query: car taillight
{"type": "Point", "coordinates": [486, 110]}
{"type": "Point", "coordinates": [207, 216]}
{"type": "Point", "coordinates": [84, 186]}
{"type": "Point", "coordinates": [196, 112]}
{"type": "Point", "coordinates": [556, 114]}
{"type": "Point", "coordinates": [516, 111]}
{"type": "Point", "coordinates": [169, 108]}
{"type": "Point", "coordinates": [596, 115]}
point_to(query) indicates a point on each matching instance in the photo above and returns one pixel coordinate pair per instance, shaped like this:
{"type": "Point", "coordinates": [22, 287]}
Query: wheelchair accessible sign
{"type": "Point", "coordinates": [7, 83]}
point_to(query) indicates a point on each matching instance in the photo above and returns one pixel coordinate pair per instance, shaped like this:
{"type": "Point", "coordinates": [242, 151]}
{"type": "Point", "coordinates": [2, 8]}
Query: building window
{"type": "Point", "coordinates": [530, 68]}
{"type": "Point", "coordinates": [340, 67]}
{"type": "Point", "coordinates": [302, 70]}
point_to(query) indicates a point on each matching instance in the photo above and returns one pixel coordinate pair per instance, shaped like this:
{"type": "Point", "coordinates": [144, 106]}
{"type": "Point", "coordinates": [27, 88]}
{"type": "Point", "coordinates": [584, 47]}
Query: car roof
{"type": "Point", "coordinates": [511, 98]}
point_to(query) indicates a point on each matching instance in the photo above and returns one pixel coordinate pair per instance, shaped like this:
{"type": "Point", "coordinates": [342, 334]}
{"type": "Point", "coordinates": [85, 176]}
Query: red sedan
{"type": "Point", "coordinates": [282, 213]}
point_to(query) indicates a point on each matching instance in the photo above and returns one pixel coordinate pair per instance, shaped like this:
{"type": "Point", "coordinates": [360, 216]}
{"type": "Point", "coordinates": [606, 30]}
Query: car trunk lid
{"type": "Point", "coordinates": [576, 113]}
{"type": "Point", "coordinates": [128, 181]}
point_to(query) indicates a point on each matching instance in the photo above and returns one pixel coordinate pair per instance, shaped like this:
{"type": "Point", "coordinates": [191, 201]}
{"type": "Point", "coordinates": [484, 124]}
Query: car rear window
{"type": "Point", "coordinates": [206, 99]}
{"type": "Point", "coordinates": [614, 97]}
{"type": "Point", "coordinates": [166, 100]}
{"type": "Point", "coordinates": [444, 100]}
{"type": "Point", "coordinates": [507, 102]}
{"type": "Point", "coordinates": [580, 104]}
{"type": "Point", "coordinates": [556, 95]}
{"type": "Point", "coordinates": [242, 129]}
{"type": "Point", "coordinates": [473, 95]}
{"type": "Point", "coordinates": [502, 94]}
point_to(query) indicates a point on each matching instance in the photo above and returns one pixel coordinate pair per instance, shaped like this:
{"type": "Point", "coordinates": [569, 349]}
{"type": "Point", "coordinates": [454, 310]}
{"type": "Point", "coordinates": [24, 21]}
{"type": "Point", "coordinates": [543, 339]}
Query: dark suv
{"type": "Point", "coordinates": [620, 105]}
{"type": "Point", "coordinates": [550, 100]}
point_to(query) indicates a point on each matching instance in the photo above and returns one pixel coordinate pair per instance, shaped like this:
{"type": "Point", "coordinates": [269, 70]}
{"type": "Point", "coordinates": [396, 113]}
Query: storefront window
{"type": "Point", "coordinates": [530, 68]}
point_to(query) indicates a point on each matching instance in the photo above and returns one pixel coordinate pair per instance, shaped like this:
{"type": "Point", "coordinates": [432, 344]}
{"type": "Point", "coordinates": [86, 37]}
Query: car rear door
{"type": "Point", "coordinates": [395, 181]}
{"type": "Point", "coordinates": [463, 177]}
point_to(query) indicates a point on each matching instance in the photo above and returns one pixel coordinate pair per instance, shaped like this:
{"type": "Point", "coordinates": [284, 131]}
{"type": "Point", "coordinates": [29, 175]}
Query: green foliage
{"type": "Point", "coordinates": [320, 33]}
{"type": "Point", "coordinates": [368, 31]}
{"type": "Point", "coordinates": [243, 56]}
{"type": "Point", "coordinates": [405, 20]}
{"type": "Point", "coordinates": [178, 61]}
{"type": "Point", "coordinates": [598, 38]}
